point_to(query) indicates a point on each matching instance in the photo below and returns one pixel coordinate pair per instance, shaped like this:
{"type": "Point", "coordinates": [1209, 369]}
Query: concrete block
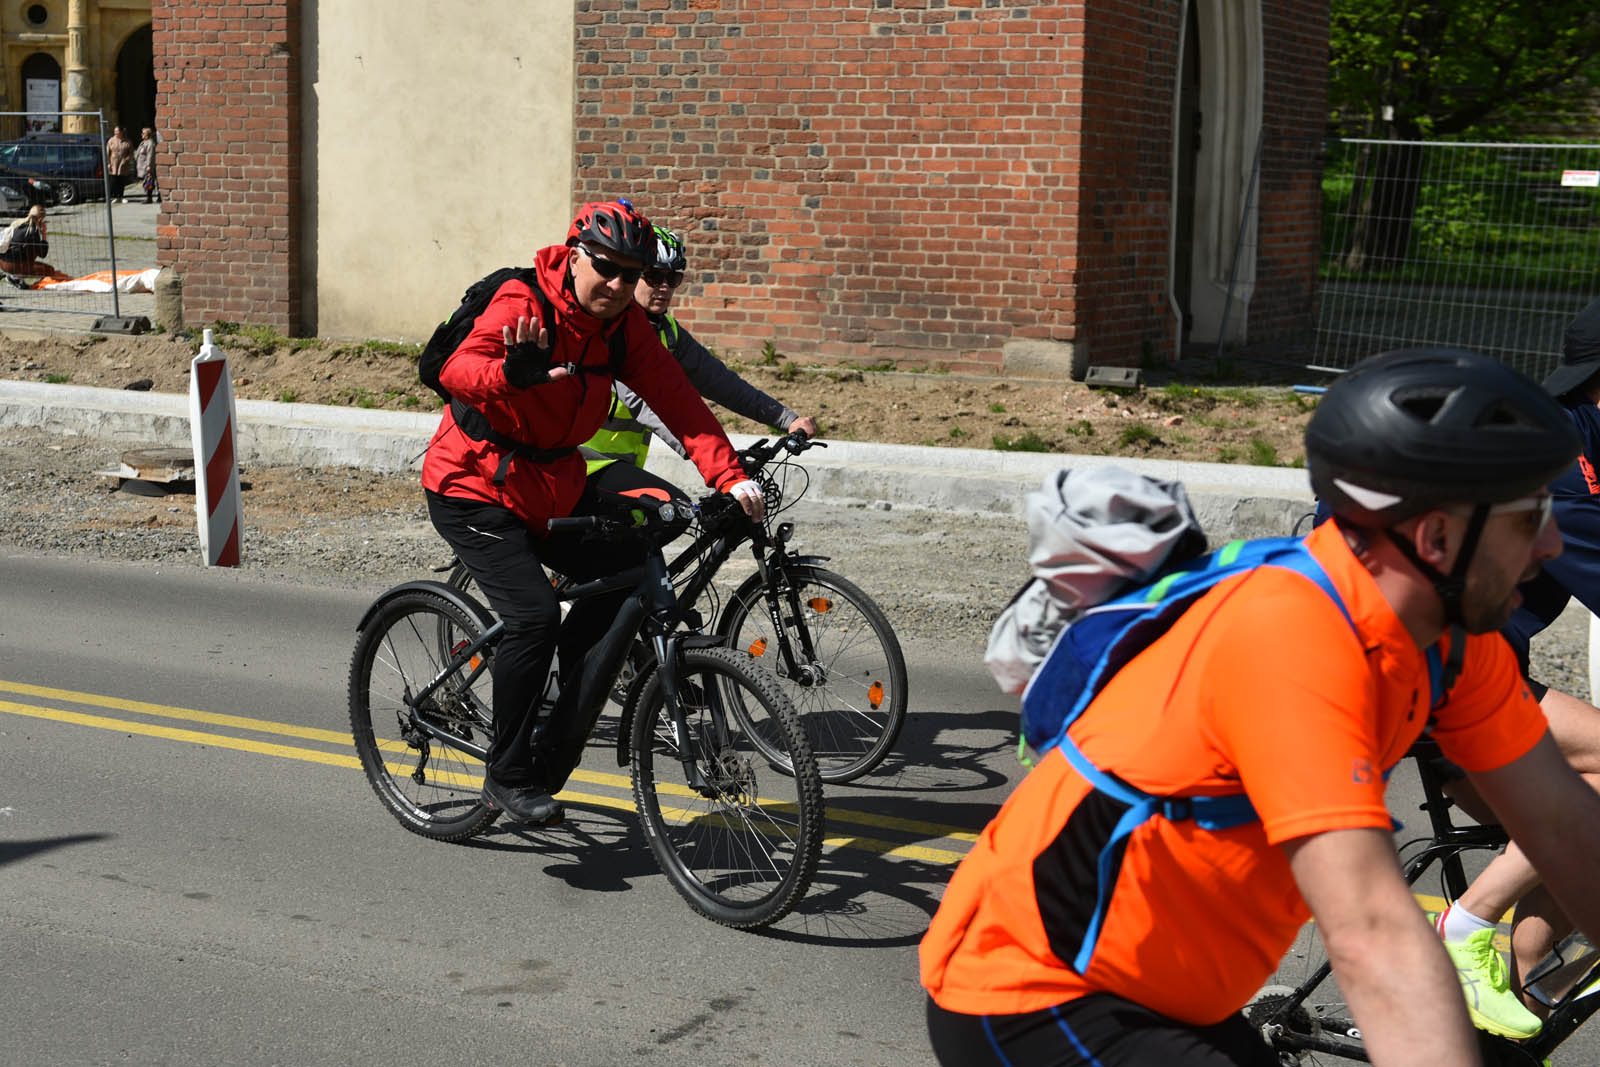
{"type": "Point", "coordinates": [1045, 359]}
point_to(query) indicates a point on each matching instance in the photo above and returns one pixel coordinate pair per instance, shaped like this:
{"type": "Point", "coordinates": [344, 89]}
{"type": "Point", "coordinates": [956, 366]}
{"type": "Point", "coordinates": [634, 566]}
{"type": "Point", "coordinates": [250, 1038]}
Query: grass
{"type": "Point", "coordinates": [56, 378]}
{"type": "Point", "coordinates": [789, 372]}
{"type": "Point", "coordinates": [1081, 428]}
{"type": "Point", "coordinates": [287, 396]}
{"type": "Point", "coordinates": [997, 408]}
{"type": "Point", "coordinates": [1026, 442]}
{"type": "Point", "coordinates": [957, 432]}
{"type": "Point", "coordinates": [1263, 453]}
{"type": "Point", "coordinates": [1138, 433]}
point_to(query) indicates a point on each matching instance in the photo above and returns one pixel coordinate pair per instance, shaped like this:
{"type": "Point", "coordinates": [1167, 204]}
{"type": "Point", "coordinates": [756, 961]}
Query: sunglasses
{"type": "Point", "coordinates": [655, 279]}
{"type": "Point", "coordinates": [609, 269]}
{"type": "Point", "coordinates": [1544, 504]}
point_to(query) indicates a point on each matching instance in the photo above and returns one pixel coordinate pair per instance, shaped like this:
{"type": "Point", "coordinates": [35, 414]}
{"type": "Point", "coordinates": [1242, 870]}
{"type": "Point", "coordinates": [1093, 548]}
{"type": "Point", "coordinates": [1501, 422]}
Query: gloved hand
{"type": "Point", "coordinates": [750, 498]}
{"type": "Point", "coordinates": [527, 359]}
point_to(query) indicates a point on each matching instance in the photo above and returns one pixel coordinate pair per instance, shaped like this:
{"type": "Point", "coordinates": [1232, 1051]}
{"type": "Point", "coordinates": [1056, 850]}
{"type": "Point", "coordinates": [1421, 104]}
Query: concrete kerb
{"type": "Point", "coordinates": [1230, 500]}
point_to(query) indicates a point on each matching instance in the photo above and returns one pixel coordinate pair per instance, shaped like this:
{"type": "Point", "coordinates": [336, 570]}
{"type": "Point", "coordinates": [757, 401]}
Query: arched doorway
{"type": "Point", "coordinates": [136, 84]}
{"type": "Point", "coordinates": [1217, 130]}
{"type": "Point", "coordinates": [41, 91]}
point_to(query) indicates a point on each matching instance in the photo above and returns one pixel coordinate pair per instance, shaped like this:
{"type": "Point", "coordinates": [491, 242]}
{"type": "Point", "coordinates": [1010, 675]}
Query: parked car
{"type": "Point", "coordinates": [72, 164]}
{"type": "Point", "coordinates": [32, 190]}
{"type": "Point", "coordinates": [12, 203]}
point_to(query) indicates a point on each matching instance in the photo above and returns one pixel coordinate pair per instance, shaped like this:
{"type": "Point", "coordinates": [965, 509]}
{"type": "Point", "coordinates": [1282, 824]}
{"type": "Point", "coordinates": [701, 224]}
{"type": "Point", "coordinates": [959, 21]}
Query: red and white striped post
{"type": "Point", "coordinates": [216, 471]}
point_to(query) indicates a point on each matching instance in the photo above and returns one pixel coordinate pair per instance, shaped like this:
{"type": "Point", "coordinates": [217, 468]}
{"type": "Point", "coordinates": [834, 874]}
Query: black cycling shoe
{"type": "Point", "coordinates": [525, 805]}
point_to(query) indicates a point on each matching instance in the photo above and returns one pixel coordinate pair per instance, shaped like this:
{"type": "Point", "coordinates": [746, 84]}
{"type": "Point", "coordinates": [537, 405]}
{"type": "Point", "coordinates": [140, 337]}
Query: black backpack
{"type": "Point", "coordinates": [449, 334]}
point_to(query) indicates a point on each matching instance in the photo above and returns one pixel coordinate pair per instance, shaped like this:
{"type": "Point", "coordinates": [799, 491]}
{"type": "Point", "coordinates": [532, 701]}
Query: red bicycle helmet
{"type": "Point", "coordinates": [616, 226]}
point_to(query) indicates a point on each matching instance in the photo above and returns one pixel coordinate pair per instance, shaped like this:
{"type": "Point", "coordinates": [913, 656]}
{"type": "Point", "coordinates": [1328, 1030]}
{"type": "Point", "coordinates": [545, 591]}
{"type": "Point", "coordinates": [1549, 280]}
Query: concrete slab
{"type": "Point", "coordinates": [1231, 500]}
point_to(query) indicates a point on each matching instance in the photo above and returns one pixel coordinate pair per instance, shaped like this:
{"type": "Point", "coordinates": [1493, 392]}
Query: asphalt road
{"type": "Point", "coordinates": [195, 870]}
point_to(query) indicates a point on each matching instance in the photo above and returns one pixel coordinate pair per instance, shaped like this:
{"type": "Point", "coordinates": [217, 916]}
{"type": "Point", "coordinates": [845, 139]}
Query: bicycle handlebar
{"type": "Point", "coordinates": [763, 453]}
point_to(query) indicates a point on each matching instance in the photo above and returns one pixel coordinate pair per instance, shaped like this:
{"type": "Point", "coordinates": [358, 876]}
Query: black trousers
{"type": "Point", "coordinates": [1093, 1031]}
{"type": "Point", "coordinates": [507, 560]}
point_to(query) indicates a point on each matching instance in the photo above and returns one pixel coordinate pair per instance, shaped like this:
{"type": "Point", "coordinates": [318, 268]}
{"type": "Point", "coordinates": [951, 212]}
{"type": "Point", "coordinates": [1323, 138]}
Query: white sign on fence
{"type": "Point", "coordinates": [1583, 178]}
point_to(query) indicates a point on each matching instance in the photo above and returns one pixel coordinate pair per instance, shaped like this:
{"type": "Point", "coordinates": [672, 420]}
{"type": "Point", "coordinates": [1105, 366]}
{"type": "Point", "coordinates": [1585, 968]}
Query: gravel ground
{"type": "Point", "coordinates": [936, 575]}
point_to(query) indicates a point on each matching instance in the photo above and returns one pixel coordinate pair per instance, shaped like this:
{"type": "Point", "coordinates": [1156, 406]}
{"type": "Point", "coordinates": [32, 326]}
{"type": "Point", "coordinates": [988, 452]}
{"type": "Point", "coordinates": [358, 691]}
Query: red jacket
{"type": "Point", "coordinates": [561, 413]}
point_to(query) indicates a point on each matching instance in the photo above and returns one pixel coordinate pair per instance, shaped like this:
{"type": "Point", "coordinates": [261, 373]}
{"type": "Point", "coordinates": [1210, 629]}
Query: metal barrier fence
{"type": "Point", "coordinates": [66, 175]}
{"type": "Point", "coordinates": [1493, 247]}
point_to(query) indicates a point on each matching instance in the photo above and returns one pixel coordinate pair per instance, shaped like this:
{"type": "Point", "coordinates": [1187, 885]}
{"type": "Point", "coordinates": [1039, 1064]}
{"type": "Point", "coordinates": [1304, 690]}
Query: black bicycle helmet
{"type": "Point", "coordinates": [1415, 428]}
{"type": "Point", "coordinates": [617, 226]}
{"type": "Point", "coordinates": [669, 250]}
{"type": "Point", "coordinates": [1418, 428]}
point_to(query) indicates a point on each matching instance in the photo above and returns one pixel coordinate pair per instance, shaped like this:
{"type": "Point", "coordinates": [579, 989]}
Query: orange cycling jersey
{"type": "Point", "coordinates": [1261, 685]}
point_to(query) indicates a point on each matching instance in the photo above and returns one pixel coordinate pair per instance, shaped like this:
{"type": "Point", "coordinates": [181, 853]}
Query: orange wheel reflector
{"type": "Point", "coordinates": [476, 661]}
{"type": "Point", "coordinates": [473, 662]}
{"type": "Point", "coordinates": [820, 604]}
{"type": "Point", "coordinates": [875, 694]}
{"type": "Point", "coordinates": [759, 647]}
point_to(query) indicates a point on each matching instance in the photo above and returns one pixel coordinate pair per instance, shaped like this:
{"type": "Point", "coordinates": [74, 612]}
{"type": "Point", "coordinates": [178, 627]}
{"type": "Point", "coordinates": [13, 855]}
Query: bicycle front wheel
{"type": "Point", "coordinates": [739, 842]}
{"type": "Point", "coordinates": [851, 692]}
{"type": "Point", "coordinates": [429, 784]}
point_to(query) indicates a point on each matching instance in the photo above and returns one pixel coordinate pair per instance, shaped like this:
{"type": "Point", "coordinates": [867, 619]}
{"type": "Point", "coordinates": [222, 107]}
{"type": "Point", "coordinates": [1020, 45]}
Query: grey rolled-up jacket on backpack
{"type": "Point", "coordinates": [1093, 534]}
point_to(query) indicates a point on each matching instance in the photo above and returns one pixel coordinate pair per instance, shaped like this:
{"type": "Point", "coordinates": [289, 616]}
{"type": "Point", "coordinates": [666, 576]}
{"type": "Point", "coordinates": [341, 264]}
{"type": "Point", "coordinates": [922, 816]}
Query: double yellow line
{"type": "Point", "coordinates": [346, 758]}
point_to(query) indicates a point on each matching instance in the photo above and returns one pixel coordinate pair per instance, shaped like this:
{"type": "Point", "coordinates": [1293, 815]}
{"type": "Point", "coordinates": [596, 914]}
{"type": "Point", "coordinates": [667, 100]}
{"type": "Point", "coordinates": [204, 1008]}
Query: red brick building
{"type": "Point", "coordinates": [978, 185]}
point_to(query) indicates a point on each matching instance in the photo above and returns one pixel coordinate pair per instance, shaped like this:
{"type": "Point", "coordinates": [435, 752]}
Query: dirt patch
{"type": "Point", "coordinates": [1175, 417]}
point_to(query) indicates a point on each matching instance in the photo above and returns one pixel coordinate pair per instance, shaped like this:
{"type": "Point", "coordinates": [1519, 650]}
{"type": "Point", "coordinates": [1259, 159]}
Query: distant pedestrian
{"type": "Point", "coordinates": [119, 162]}
{"type": "Point", "coordinates": [23, 246]}
{"type": "Point", "coordinates": [145, 160]}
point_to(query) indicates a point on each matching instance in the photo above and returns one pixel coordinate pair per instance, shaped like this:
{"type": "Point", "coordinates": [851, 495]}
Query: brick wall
{"type": "Point", "coordinates": [228, 94]}
{"type": "Point", "coordinates": [858, 179]}
{"type": "Point", "coordinates": [1295, 113]}
{"type": "Point", "coordinates": [1130, 71]}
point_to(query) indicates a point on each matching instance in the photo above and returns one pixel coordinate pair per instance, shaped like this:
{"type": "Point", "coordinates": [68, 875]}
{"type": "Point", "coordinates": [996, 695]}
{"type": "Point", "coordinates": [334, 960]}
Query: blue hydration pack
{"type": "Point", "coordinates": [1091, 649]}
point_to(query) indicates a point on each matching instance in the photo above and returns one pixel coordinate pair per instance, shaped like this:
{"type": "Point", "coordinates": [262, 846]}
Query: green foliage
{"type": "Point", "coordinates": [769, 354]}
{"type": "Point", "coordinates": [287, 396]}
{"type": "Point", "coordinates": [1025, 442]}
{"type": "Point", "coordinates": [997, 408]}
{"type": "Point", "coordinates": [789, 372]}
{"type": "Point", "coordinates": [57, 378]}
{"type": "Point", "coordinates": [1452, 66]}
{"type": "Point", "coordinates": [1081, 428]}
{"type": "Point", "coordinates": [957, 432]}
{"type": "Point", "coordinates": [393, 348]}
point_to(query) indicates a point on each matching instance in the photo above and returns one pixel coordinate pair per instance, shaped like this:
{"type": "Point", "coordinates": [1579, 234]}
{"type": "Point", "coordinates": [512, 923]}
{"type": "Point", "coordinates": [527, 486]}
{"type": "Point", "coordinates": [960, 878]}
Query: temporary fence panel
{"type": "Point", "coordinates": [65, 174]}
{"type": "Point", "coordinates": [1492, 247]}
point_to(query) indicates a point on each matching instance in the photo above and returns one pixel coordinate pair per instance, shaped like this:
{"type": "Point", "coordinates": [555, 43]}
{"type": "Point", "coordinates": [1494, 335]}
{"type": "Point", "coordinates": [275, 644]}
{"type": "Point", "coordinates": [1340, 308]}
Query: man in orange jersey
{"type": "Point", "coordinates": [1069, 936]}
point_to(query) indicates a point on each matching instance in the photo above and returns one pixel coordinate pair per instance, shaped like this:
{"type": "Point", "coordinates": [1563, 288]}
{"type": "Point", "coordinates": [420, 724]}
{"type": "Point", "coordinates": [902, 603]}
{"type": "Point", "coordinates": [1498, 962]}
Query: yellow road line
{"type": "Point", "coordinates": [347, 760]}
{"type": "Point", "coordinates": [139, 707]}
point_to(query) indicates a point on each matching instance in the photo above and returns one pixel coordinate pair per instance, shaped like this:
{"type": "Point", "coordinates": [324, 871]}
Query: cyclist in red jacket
{"type": "Point", "coordinates": [536, 366]}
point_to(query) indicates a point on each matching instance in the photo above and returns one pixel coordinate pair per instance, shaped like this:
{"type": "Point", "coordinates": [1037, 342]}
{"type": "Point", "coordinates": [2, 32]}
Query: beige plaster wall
{"type": "Point", "coordinates": [438, 146]}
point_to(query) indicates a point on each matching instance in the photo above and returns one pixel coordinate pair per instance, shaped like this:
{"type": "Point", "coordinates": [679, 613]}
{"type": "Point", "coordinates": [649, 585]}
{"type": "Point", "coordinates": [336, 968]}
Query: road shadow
{"type": "Point", "coordinates": [17, 851]}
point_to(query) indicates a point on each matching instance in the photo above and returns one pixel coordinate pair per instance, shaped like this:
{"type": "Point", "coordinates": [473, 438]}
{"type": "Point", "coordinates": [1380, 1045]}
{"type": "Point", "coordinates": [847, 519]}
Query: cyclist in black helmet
{"type": "Point", "coordinates": [631, 423]}
{"type": "Point", "coordinates": [1070, 936]}
{"type": "Point", "coordinates": [1469, 924]}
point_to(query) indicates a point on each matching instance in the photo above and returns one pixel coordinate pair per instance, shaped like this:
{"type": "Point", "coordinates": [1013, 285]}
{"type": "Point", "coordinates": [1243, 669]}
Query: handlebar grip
{"type": "Point", "coordinates": [574, 522]}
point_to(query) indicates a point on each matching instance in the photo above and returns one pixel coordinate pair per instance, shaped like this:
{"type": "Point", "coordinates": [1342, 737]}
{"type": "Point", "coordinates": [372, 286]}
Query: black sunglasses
{"type": "Point", "coordinates": [609, 269]}
{"type": "Point", "coordinates": [657, 278]}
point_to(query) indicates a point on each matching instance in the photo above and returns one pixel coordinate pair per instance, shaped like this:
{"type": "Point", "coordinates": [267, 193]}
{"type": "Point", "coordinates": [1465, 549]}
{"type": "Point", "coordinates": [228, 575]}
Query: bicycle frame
{"type": "Point", "coordinates": [1444, 846]}
{"type": "Point", "coordinates": [654, 609]}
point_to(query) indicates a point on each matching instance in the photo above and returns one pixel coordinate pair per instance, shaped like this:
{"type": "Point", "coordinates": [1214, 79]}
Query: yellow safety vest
{"type": "Point", "coordinates": [622, 437]}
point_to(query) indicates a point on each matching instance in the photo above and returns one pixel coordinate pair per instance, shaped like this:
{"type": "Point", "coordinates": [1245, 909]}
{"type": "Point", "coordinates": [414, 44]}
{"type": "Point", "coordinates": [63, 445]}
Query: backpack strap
{"type": "Point", "coordinates": [1162, 603]}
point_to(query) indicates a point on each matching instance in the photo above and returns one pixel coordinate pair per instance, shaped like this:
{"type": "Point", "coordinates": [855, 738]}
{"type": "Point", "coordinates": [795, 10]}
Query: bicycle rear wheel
{"type": "Point", "coordinates": [742, 846]}
{"type": "Point", "coordinates": [430, 786]}
{"type": "Point", "coordinates": [852, 695]}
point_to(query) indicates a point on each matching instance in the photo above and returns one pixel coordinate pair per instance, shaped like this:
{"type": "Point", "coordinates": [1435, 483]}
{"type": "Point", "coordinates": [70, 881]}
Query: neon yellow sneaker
{"type": "Point", "coordinates": [1486, 985]}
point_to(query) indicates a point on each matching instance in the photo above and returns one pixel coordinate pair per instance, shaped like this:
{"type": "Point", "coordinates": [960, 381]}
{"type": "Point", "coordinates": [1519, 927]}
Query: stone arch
{"type": "Point", "coordinates": [135, 102]}
{"type": "Point", "coordinates": [40, 67]}
{"type": "Point", "coordinates": [1215, 210]}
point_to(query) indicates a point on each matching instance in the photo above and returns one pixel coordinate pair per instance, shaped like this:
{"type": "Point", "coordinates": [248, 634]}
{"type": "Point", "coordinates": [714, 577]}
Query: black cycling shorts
{"type": "Point", "coordinates": [1093, 1031]}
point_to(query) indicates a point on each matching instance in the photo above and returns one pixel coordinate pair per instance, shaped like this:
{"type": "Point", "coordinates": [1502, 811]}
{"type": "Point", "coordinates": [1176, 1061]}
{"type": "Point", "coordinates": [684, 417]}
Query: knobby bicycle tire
{"type": "Point", "coordinates": [852, 699]}
{"type": "Point", "coordinates": [743, 850]}
{"type": "Point", "coordinates": [432, 788]}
